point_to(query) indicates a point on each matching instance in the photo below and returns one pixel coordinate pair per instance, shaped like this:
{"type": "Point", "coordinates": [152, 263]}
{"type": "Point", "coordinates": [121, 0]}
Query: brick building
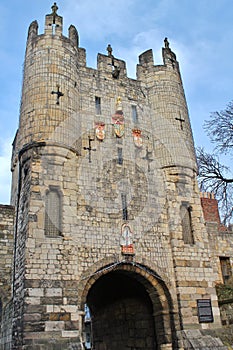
{"type": "Point", "coordinates": [111, 249]}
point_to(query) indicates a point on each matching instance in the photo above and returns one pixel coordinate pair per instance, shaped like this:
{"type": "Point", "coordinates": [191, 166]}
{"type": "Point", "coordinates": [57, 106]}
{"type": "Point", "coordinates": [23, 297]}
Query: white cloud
{"type": "Point", "coordinates": [96, 19]}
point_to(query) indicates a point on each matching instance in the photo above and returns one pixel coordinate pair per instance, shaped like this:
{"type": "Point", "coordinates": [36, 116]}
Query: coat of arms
{"type": "Point", "coordinates": [118, 119]}
{"type": "Point", "coordinates": [137, 137]}
{"type": "Point", "coordinates": [100, 130]}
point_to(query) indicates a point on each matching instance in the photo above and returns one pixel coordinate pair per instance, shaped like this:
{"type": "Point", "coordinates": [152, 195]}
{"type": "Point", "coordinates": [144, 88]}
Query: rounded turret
{"type": "Point", "coordinates": [170, 120]}
{"type": "Point", "coordinates": [50, 84]}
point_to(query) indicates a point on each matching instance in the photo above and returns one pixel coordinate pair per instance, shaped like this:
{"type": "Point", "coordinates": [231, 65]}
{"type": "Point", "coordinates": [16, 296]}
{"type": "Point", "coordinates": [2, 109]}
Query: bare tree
{"type": "Point", "coordinates": [213, 176]}
{"type": "Point", "coordinates": [220, 129]}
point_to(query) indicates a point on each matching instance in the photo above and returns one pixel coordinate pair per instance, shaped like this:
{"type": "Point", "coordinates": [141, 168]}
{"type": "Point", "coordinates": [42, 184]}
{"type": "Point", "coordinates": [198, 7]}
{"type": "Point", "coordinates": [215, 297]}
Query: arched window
{"type": "Point", "coordinates": [53, 212]}
{"type": "Point", "coordinates": [134, 114]}
{"type": "Point", "coordinates": [226, 269]}
{"type": "Point", "coordinates": [186, 222]}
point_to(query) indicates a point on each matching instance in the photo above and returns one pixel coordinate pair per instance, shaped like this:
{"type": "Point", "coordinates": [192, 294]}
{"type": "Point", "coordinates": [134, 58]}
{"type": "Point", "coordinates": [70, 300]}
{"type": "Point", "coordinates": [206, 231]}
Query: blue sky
{"type": "Point", "coordinates": [200, 32]}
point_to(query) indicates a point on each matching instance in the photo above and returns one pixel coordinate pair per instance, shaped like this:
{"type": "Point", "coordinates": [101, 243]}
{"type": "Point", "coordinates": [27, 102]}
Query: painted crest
{"type": "Point", "coordinates": [137, 137]}
{"type": "Point", "coordinates": [118, 119]}
{"type": "Point", "coordinates": [118, 124]}
{"type": "Point", "coordinates": [100, 131]}
{"type": "Point", "coordinates": [126, 240]}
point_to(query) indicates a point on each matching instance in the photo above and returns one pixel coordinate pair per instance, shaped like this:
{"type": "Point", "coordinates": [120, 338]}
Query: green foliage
{"type": "Point", "coordinates": [225, 291]}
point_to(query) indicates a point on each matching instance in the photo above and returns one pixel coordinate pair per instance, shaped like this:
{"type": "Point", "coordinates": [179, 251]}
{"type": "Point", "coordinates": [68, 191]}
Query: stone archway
{"type": "Point", "coordinates": [131, 309]}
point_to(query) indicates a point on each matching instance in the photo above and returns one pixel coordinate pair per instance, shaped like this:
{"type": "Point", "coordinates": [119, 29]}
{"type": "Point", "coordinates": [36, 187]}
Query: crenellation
{"type": "Point", "coordinates": [104, 64]}
{"type": "Point", "coordinates": [32, 31]}
{"type": "Point", "coordinates": [73, 36]}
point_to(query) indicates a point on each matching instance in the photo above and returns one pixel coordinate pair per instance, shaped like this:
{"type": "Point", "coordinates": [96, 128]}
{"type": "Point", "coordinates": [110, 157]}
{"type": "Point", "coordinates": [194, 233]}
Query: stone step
{"type": "Point", "coordinates": [196, 340]}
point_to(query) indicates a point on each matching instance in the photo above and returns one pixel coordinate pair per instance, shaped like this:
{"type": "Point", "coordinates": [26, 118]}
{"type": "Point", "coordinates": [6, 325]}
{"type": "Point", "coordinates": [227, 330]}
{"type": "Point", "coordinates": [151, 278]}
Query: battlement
{"type": "Point", "coordinates": [110, 64]}
{"type": "Point", "coordinates": [208, 195]}
{"type": "Point", "coordinates": [54, 28]}
{"type": "Point", "coordinates": [60, 90]}
{"type": "Point", "coordinates": [105, 63]}
{"type": "Point", "coordinates": [53, 22]}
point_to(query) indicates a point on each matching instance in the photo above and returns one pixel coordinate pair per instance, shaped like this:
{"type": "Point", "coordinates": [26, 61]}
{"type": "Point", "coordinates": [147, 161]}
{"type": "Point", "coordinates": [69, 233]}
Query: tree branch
{"type": "Point", "coordinates": [220, 129]}
{"type": "Point", "coordinates": [212, 178]}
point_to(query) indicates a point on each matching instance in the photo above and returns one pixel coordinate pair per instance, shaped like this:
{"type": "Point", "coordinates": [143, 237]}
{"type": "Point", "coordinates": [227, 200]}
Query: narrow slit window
{"type": "Point", "coordinates": [186, 222]}
{"type": "Point", "coordinates": [120, 156]}
{"type": "Point", "coordinates": [124, 207]}
{"type": "Point", "coordinates": [134, 113]}
{"type": "Point", "coordinates": [54, 28]}
{"type": "Point", "coordinates": [53, 213]}
{"type": "Point", "coordinates": [97, 105]}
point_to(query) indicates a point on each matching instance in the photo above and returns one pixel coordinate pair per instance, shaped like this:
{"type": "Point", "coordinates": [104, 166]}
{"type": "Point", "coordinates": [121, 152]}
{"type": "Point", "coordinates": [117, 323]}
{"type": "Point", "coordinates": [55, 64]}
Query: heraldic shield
{"type": "Point", "coordinates": [118, 119]}
{"type": "Point", "coordinates": [100, 130]}
{"type": "Point", "coordinates": [137, 137]}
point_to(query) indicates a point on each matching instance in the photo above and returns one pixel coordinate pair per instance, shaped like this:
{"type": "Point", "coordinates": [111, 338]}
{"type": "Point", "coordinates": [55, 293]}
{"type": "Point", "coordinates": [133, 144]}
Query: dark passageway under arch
{"type": "Point", "coordinates": [122, 313]}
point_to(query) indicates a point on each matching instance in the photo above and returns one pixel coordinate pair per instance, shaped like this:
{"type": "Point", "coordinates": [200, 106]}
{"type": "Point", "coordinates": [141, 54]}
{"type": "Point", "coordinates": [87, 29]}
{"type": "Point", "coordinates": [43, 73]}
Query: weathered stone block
{"type": "Point", "coordinates": [54, 325]}
{"type": "Point", "coordinates": [34, 326]}
{"type": "Point", "coordinates": [55, 316]}
{"type": "Point", "coordinates": [51, 300]}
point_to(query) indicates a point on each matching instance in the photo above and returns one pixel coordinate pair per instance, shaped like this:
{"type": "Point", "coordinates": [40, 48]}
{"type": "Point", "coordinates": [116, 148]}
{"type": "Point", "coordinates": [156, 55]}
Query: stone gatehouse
{"type": "Point", "coordinates": [106, 245]}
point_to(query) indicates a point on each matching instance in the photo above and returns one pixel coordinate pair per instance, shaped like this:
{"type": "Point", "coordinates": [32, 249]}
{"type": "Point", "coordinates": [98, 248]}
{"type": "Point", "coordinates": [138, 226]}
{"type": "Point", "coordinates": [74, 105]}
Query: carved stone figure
{"type": "Point", "coordinates": [109, 49]}
{"type": "Point", "coordinates": [166, 43]}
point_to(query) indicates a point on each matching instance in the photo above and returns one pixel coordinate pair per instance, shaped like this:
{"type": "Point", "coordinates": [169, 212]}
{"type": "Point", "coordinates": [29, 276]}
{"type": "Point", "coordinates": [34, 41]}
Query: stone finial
{"type": "Point", "coordinates": [166, 43]}
{"type": "Point", "coordinates": [54, 9]}
{"type": "Point", "coordinates": [169, 57]}
{"type": "Point", "coordinates": [109, 49]}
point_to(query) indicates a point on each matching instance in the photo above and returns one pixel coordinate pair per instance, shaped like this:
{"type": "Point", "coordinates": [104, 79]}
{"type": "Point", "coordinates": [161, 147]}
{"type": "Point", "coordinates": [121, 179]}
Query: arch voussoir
{"type": "Point", "coordinates": [153, 285]}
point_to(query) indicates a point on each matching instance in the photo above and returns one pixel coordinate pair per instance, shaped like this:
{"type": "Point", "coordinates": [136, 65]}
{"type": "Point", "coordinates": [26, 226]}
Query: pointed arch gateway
{"type": "Point", "coordinates": [131, 308]}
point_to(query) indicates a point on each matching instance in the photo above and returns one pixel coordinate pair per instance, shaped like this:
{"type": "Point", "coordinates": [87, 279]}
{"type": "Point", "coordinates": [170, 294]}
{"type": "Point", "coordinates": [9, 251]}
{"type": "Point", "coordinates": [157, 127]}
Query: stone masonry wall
{"type": "Point", "coordinates": [6, 326]}
{"type": "Point", "coordinates": [6, 252]}
{"type": "Point", "coordinates": [6, 263]}
{"type": "Point", "coordinates": [21, 233]}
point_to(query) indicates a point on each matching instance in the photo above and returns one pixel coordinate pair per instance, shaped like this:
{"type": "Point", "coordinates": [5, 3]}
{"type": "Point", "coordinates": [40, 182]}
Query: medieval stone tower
{"type": "Point", "coordinates": [110, 247]}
